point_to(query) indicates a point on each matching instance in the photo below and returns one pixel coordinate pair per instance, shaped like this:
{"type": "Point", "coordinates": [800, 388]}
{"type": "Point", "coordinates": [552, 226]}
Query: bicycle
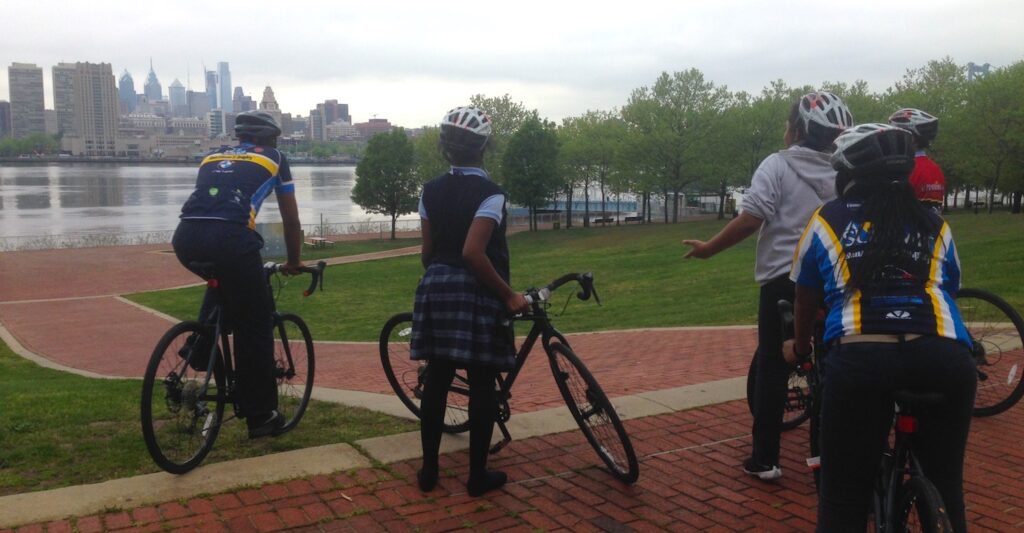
{"type": "Point", "coordinates": [190, 379]}
{"type": "Point", "coordinates": [587, 402]}
{"type": "Point", "coordinates": [903, 498]}
{"type": "Point", "coordinates": [997, 337]}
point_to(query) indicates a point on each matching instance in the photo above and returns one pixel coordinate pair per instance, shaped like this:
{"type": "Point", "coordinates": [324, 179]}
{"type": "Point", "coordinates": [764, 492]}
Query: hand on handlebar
{"type": "Point", "coordinates": [517, 304]}
{"type": "Point", "coordinates": [291, 269]}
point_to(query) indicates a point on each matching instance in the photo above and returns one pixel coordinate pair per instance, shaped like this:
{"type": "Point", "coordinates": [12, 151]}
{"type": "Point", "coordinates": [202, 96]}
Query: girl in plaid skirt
{"type": "Point", "coordinates": [459, 316]}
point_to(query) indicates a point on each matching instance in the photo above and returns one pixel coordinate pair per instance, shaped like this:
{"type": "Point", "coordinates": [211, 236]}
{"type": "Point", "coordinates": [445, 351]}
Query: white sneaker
{"type": "Point", "coordinates": [762, 472]}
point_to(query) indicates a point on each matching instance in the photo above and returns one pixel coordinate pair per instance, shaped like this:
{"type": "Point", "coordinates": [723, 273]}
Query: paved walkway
{"type": "Point", "coordinates": [689, 459]}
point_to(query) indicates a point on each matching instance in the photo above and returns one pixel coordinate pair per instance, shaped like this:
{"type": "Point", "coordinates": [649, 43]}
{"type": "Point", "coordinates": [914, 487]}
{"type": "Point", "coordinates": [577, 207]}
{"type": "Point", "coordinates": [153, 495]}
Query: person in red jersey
{"type": "Point", "coordinates": [927, 179]}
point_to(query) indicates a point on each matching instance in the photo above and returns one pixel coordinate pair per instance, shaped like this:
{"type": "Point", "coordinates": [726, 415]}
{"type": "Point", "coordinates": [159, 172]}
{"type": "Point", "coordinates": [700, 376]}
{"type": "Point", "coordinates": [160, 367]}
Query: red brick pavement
{"type": "Point", "coordinates": [689, 481]}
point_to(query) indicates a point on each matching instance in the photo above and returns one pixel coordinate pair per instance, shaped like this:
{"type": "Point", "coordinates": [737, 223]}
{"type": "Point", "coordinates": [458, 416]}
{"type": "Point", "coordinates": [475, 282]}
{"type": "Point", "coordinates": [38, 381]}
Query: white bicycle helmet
{"type": "Point", "coordinates": [824, 115]}
{"type": "Point", "coordinates": [874, 151]}
{"type": "Point", "coordinates": [917, 122]}
{"type": "Point", "coordinates": [465, 131]}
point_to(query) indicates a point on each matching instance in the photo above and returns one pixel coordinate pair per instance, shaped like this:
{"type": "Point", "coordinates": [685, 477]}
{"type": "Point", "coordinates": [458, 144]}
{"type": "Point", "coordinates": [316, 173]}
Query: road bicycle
{"type": "Point", "coordinates": [584, 397]}
{"type": "Point", "coordinates": [191, 378]}
{"type": "Point", "coordinates": [997, 338]}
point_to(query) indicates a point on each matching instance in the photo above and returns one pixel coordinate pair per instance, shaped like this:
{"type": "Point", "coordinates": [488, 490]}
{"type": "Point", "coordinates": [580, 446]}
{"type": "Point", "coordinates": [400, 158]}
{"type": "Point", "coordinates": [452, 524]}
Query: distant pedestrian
{"type": "Point", "coordinates": [463, 300]}
{"type": "Point", "coordinates": [784, 192]}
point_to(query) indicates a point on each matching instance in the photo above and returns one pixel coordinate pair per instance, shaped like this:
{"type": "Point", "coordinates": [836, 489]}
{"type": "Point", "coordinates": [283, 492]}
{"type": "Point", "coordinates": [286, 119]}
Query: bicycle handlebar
{"type": "Point", "coordinates": [586, 281]}
{"type": "Point", "coordinates": [316, 271]}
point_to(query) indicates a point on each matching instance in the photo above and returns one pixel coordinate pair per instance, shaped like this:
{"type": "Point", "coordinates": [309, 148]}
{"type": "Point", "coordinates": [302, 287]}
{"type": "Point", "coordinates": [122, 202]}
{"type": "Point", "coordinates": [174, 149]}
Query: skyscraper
{"type": "Point", "coordinates": [126, 93]}
{"type": "Point", "coordinates": [176, 95]}
{"type": "Point", "coordinates": [64, 97]}
{"type": "Point", "coordinates": [198, 104]}
{"type": "Point", "coordinates": [95, 104]}
{"type": "Point", "coordinates": [241, 102]}
{"type": "Point", "coordinates": [25, 81]}
{"type": "Point", "coordinates": [153, 90]}
{"type": "Point", "coordinates": [224, 87]}
{"type": "Point", "coordinates": [269, 104]}
{"type": "Point", "coordinates": [211, 89]}
{"type": "Point", "coordinates": [5, 118]}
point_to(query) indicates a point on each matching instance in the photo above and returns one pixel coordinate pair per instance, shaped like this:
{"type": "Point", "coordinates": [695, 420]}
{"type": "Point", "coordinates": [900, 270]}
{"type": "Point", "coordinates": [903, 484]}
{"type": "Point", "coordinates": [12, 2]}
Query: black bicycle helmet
{"type": "Point", "coordinates": [256, 124]}
{"type": "Point", "coordinates": [874, 152]}
{"type": "Point", "coordinates": [465, 131]}
{"type": "Point", "coordinates": [824, 116]}
{"type": "Point", "coordinates": [917, 122]}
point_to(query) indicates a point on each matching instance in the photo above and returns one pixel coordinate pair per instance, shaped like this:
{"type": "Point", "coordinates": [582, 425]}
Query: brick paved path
{"type": "Point", "coordinates": [690, 481]}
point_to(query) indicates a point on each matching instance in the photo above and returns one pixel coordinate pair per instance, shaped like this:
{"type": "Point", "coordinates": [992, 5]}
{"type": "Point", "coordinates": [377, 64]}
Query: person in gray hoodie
{"type": "Point", "coordinates": [785, 190]}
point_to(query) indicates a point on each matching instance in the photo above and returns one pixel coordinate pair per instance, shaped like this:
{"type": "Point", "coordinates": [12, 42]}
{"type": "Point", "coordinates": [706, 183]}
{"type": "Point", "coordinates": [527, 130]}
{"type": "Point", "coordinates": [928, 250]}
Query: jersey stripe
{"type": "Point", "coordinates": [259, 159]}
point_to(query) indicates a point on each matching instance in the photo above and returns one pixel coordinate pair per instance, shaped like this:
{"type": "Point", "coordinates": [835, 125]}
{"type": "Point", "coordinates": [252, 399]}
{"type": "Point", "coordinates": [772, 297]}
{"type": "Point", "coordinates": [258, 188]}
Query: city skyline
{"type": "Point", "coordinates": [397, 60]}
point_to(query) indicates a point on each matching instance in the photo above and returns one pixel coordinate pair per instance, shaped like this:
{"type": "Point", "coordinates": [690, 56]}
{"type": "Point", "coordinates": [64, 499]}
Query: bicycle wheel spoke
{"type": "Point", "coordinates": [293, 368]}
{"type": "Point", "coordinates": [998, 339]}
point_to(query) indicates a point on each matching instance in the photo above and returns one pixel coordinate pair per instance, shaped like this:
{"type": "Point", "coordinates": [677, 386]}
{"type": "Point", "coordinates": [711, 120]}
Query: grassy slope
{"type": "Point", "coordinates": [639, 270]}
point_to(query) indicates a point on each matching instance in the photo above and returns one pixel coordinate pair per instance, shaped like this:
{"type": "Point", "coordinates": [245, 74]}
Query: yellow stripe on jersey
{"type": "Point", "coordinates": [259, 159]}
{"type": "Point", "coordinates": [851, 305]}
{"type": "Point", "coordinates": [943, 316]}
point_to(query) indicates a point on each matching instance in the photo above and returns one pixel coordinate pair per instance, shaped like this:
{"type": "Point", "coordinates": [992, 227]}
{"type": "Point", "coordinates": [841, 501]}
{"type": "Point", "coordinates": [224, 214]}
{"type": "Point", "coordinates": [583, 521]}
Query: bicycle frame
{"type": "Point", "coordinates": [898, 463]}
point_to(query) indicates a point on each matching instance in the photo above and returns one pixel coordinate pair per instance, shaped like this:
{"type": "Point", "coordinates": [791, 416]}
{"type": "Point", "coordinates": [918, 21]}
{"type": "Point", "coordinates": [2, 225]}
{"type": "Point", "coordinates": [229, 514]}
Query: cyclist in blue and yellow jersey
{"type": "Point", "coordinates": [218, 225]}
{"type": "Point", "coordinates": [785, 190]}
{"type": "Point", "coordinates": [888, 270]}
{"type": "Point", "coordinates": [927, 179]}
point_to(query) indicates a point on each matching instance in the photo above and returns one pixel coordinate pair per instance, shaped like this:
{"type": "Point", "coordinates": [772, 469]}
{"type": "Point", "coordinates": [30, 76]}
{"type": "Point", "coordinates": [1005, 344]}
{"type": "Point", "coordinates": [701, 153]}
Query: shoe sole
{"type": "Point", "coordinates": [770, 475]}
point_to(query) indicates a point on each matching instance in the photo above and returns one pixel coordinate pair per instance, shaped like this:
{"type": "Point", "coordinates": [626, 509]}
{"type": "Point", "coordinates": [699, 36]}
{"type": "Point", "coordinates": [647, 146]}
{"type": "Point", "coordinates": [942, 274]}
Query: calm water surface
{"type": "Point", "coordinates": [66, 199]}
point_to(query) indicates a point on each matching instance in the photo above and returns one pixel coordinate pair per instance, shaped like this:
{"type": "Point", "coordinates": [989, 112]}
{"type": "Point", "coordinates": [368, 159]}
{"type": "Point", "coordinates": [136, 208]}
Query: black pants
{"type": "Point", "coordinates": [248, 305]}
{"type": "Point", "coordinates": [856, 415]}
{"type": "Point", "coordinates": [483, 408]}
{"type": "Point", "coordinates": [772, 372]}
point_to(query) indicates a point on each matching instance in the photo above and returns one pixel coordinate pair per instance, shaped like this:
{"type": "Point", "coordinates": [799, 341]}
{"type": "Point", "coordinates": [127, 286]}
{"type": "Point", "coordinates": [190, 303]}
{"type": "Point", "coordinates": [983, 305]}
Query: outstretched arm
{"type": "Point", "coordinates": [735, 231]}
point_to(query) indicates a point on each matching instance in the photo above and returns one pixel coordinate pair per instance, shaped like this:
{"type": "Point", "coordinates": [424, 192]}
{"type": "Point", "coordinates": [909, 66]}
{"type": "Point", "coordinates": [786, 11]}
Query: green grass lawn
{"type": "Point", "coordinates": [59, 429]}
{"type": "Point", "coordinates": [355, 247]}
{"type": "Point", "coordinates": [639, 270]}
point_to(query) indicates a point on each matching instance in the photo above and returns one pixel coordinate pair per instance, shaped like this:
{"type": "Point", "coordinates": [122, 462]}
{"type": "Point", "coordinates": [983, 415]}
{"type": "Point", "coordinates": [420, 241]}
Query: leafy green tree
{"type": "Point", "coordinates": [386, 183]}
{"type": "Point", "coordinates": [506, 118]}
{"type": "Point", "coordinates": [35, 144]}
{"type": "Point", "coordinates": [429, 161]}
{"type": "Point", "coordinates": [531, 166]}
{"type": "Point", "coordinates": [589, 148]}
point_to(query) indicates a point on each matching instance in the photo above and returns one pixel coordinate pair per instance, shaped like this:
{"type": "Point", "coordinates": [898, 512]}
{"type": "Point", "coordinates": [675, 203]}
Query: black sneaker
{"type": "Point", "coordinates": [760, 471]}
{"type": "Point", "coordinates": [197, 351]}
{"type": "Point", "coordinates": [267, 424]}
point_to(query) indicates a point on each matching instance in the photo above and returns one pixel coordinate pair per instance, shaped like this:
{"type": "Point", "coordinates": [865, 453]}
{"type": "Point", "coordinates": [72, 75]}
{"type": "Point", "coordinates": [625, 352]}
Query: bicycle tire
{"type": "Point", "coordinates": [920, 508]}
{"type": "Point", "coordinates": [799, 397]}
{"type": "Point", "coordinates": [997, 332]}
{"type": "Point", "coordinates": [406, 376]}
{"type": "Point", "coordinates": [294, 368]}
{"type": "Point", "coordinates": [593, 413]}
{"type": "Point", "coordinates": [171, 408]}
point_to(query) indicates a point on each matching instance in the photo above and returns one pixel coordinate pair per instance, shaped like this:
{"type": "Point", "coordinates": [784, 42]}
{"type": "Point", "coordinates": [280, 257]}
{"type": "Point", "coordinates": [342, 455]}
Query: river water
{"type": "Point", "coordinates": [63, 199]}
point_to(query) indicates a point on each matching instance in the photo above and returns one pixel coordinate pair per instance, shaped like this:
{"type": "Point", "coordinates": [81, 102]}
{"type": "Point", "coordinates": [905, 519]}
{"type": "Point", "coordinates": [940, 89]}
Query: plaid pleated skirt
{"type": "Point", "coordinates": [456, 319]}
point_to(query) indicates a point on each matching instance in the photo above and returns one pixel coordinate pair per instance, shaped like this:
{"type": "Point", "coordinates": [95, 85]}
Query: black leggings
{"type": "Point", "coordinates": [483, 408]}
{"type": "Point", "coordinates": [772, 372]}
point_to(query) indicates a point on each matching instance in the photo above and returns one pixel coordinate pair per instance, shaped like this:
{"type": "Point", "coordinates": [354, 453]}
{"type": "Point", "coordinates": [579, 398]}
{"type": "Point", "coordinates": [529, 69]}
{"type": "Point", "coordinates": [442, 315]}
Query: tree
{"type": "Point", "coordinates": [506, 118]}
{"type": "Point", "coordinates": [386, 183]}
{"type": "Point", "coordinates": [589, 148]}
{"type": "Point", "coordinates": [531, 166]}
{"type": "Point", "coordinates": [429, 162]}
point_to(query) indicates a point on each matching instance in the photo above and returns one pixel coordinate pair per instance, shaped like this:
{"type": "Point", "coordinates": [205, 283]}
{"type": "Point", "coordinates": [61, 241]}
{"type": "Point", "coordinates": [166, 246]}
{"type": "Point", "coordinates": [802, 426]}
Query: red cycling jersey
{"type": "Point", "coordinates": [928, 181]}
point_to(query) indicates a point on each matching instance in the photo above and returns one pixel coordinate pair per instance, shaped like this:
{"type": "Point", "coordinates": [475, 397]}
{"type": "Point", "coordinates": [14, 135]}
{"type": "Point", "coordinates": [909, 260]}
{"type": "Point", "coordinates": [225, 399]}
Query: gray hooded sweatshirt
{"type": "Point", "coordinates": [785, 191]}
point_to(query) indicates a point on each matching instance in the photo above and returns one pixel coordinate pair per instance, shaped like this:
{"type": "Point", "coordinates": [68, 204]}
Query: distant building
{"type": "Point", "coordinates": [373, 127]}
{"type": "Point", "coordinates": [25, 83]}
{"type": "Point", "coordinates": [177, 100]}
{"type": "Point", "coordinates": [188, 126]}
{"type": "Point", "coordinates": [153, 90]}
{"type": "Point", "coordinates": [211, 89]}
{"type": "Point", "coordinates": [298, 125]}
{"type": "Point", "coordinates": [52, 124]}
{"type": "Point", "coordinates": [64, 97]}
{"type": "Point", "coordinates": [95, 110]}
{"type": "Point", "coordinates": [325, 114]}
{"type": "Point", "coordinates": [224, 87]}
{"type": "Point", "coordinates": [216, 121]}
{"type": "Point", "coordinates": [339, 130]}
{"type": "Point", "coordinates": [269, 104]}
{"type": "Point", "coordinates": [5, 118]}
{"type": "Point", "coordinates": [241, 103]}
{"type": "Point", "coordinates": [126, 96]}
{"type": "Point", "coordinates": [198, 104]}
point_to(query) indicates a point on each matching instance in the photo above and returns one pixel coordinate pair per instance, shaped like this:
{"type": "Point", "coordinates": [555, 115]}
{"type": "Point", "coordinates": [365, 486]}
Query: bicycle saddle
{"type": "Point", "coordinates": [204, 269]}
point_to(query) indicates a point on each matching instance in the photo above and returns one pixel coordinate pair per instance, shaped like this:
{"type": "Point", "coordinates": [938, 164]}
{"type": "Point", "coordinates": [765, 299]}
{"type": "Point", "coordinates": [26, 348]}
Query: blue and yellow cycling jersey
{"type": "Point", "coordinates": [915, 298]}
{"type": "Point", "coordinates": [234, 181]}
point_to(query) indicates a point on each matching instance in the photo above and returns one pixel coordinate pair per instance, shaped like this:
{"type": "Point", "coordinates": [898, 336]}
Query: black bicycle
{"type": "Point", "coordinates": [583, 396]}
{"type": "Point", "coordinates": [997, 336]}
{"type": "Point", "coordinates": [191, 378]}
{"type": "Point", "coordinates": [903, 498]}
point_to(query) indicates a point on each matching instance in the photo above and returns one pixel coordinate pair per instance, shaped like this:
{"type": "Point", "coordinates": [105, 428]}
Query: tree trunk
{"type": "Point", "coordinates": [991, 199]}
{"type": "Point", "coordinates": [393, 219]}
{"type": "Point", "coordinates": [675, 207]}
{"type": "Point", "coordinates": [956, 194]}
{"type": "Point", "coordinates": [568, 207]}
{"type": "Point", "coordinates": [647, 204]}
{"type": "Point", "coordinates": [1016, 202]}
{"type": "Point", "coordinates": [618, 197]}
{"type": "Point", "coordinates": [586, 204]}
{"type": "Point", "coordinates": [721, 201]}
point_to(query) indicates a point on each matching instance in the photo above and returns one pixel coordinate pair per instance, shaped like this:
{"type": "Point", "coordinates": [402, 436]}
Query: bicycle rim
{"type": "Point", "coordinates": [594, 413]}
{"type": "Point", "coordinates": [997, 333]}
{"type": "Point", "coordinates": [179, 421]}
{"type": "Point", "coordinates": [294, 367]}
{"type": "Point", "coordinates": [798, 397]}
{"type": "Point", "coordinates": [920, 508]}
{"type": "Point", "coordinates": [407, 376]}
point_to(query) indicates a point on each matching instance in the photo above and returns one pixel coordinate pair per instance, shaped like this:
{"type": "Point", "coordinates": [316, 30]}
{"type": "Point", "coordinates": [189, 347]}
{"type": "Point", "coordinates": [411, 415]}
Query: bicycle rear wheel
{"type": "Point", "coordinates": [593, 412]}
{"type": "Point", "coordinates": [407, 376]}
{"type": "Point", "coordinates": [920, 508]}
{"type": "Point", "coordinates": [181, 409]}
{"type": "Point", "coordinates": [997, 333]}
{"type": "Point", "coordinates": [798, 397]}
{"type": "Point", "coordinates": [293, 368]}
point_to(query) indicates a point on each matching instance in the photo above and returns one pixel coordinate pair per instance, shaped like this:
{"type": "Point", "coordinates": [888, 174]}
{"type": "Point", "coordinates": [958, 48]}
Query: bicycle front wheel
{"type": "Point", "coordinates": [798, 396]}
{"type": "Point", "coordinates": [997, 334]}
{"type": "Point", "coordinates": [293, 368]}
{"type": "Point", "coordinates": [593, 412]}
{"type": "Point", "coordinates": [182, 408]}
{"type": "Point", "coordinates": [920, 508]}
{"type": "Point", "coordinates": [407, 376]}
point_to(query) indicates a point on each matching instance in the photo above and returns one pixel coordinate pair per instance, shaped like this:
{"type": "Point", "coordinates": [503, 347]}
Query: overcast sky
{"type": "Point", "coordinates": [411, 61]}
